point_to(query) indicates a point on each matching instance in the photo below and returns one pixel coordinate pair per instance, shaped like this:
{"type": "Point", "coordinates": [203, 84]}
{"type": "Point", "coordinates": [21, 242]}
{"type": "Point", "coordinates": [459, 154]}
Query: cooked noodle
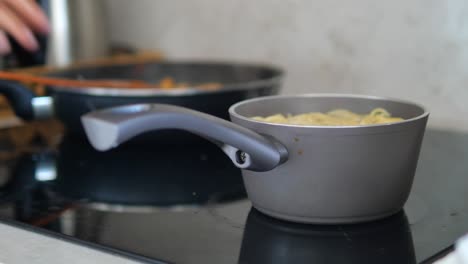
{"type": "Point", "coordinates": [337, 117]}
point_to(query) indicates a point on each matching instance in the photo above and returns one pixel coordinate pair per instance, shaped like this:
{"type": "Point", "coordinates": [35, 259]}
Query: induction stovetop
{"type": "Point", "coordinates": [187, 204]}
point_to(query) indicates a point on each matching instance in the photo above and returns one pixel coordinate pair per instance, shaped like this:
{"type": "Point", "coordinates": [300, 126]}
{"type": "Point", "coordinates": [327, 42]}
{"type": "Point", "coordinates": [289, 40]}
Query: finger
{"type": "Point", "coordinates": [31, 13]}
{"type": "Point", "coordinates": [12, 25]}
{"type": "Point", "coordinates": [5, 47]}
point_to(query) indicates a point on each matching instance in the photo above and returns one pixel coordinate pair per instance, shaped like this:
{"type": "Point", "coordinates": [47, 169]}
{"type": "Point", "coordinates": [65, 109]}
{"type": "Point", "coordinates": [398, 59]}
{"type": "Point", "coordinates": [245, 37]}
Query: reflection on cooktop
{"type": "Point", "coordinates": [175, 176]}
{"type": "Point", "coordinates": [267, 240]}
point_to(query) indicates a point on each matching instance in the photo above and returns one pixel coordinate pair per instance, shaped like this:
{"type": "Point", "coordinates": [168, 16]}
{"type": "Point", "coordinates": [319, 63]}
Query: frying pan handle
{"type": "Point", "coordinates": [108, 128]}
{"type": "Point", "coordinates": [24, 102]}
{"type": "Point", "coordinates": [20, 98]}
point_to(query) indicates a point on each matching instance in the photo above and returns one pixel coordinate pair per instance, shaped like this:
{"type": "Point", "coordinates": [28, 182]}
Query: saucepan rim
{"type": "Point", "coordinates": [234, 107]}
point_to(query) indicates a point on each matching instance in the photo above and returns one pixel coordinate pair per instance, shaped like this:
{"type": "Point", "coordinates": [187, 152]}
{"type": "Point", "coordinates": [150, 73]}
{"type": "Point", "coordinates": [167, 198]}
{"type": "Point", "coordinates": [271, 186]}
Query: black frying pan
{"type": "Point", "coordinates": [239, 82]}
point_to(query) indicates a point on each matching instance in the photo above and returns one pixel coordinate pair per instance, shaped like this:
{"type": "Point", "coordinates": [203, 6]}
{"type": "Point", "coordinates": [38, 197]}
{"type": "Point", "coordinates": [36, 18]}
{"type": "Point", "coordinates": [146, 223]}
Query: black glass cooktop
{"type": "Point", "coordinates": [187, 204]}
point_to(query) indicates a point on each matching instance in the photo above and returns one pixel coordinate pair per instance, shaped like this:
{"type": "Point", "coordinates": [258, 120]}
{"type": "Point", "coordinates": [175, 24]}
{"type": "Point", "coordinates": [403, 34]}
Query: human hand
{"type": "Point", "coordinates": [20, 18]}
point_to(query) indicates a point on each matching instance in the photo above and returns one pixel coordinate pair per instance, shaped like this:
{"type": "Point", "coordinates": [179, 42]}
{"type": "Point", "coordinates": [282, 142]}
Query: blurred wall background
{"type": "Point", "coordinates": [413, 49]}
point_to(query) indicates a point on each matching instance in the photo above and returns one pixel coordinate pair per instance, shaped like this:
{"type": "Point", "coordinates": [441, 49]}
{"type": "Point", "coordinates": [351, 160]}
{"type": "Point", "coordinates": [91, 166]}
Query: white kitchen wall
{"type": "Point", "coordinates": [412, 49]}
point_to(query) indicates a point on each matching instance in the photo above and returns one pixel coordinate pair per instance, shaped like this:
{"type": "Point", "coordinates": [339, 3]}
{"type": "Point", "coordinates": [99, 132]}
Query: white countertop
{"type": "Point", "coordinates": [22, 246]}
{"type": "Point", "coordinates": [459, 255]}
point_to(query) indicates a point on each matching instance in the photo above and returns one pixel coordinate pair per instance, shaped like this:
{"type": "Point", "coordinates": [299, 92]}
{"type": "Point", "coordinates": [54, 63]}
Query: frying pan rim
{"type": "Point", "coordinates": [278, 76]}
{"type": "Point", "coordinates": [233, 112]}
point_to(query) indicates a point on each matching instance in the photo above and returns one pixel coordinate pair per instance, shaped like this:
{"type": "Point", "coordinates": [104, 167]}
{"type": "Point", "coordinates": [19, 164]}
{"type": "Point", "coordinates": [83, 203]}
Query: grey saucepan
{"type": "Point", "coordinates": [309, 174]}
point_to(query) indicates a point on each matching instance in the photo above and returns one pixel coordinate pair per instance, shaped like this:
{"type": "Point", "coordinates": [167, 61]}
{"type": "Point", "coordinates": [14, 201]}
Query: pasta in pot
{"type": "Point", "coordinates": [337, 117]}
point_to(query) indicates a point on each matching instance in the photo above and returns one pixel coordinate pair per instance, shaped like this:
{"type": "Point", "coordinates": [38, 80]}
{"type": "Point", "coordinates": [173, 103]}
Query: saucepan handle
{"type": "Point", "coordinates": [247, 149]}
